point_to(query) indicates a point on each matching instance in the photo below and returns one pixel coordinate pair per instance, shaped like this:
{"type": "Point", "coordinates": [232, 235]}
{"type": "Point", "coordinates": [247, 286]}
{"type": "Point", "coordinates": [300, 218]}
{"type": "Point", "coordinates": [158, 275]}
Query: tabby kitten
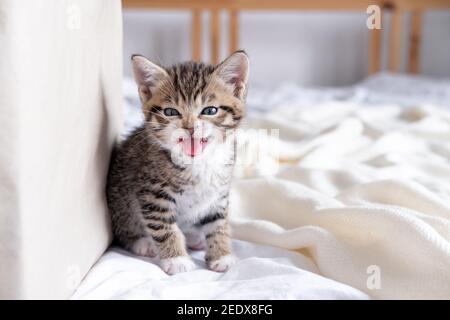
{"type": "Point", "coordinates": [169, 181]}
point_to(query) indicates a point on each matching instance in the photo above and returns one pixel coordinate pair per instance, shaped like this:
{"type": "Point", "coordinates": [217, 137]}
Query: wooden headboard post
{"type": "Point", "coordinates": [215, 32]}
{"type": "Point", "coordinates": [416, 8]}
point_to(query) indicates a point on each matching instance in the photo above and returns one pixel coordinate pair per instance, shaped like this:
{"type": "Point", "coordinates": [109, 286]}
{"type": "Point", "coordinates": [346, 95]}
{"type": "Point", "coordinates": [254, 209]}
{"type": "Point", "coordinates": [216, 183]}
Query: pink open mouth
{"type": "Point", "coordinates": [193, 146]}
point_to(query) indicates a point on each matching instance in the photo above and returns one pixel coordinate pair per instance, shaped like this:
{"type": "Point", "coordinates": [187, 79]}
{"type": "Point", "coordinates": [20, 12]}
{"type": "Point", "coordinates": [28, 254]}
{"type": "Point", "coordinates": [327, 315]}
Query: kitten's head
{"type": "Point", "coordinates": [189, 107]}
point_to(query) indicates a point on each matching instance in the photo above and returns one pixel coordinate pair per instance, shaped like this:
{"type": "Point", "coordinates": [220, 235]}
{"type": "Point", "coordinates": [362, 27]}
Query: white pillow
{"type": "Point", "coordinates": [60, 112]}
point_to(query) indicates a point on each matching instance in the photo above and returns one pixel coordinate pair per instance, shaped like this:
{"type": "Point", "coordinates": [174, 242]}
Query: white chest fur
{"type": "Point", "coordinates": [210, 178]}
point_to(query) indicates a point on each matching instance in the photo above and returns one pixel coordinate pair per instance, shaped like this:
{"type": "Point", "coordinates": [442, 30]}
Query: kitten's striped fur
{"type": "Point", "coordinates": [158, 198]}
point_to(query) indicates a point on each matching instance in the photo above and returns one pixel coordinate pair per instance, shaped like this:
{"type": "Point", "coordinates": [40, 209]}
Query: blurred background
{"type": "Point", "coordinates": [309, 48]}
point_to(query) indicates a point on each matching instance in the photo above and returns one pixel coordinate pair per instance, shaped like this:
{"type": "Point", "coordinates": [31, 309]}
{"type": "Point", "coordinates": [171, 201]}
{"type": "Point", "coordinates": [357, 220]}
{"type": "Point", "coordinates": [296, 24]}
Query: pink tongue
{"type": "Point", "coordinates": [192, 146]}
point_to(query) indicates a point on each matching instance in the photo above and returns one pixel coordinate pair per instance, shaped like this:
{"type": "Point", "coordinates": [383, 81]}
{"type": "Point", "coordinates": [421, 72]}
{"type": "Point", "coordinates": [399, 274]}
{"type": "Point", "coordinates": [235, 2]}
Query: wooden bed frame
{"type": "Point", "coordinates": [233, 7]}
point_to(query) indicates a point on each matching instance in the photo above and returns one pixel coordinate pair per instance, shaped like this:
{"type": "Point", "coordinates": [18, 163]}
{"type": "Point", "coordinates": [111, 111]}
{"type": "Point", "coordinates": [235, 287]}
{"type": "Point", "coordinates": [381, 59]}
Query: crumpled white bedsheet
{"type": "Point", "coordinates": [381, 88]}
{"type": "Point", "coordinates": [262, 272]}
{"type": "Point", "coordinates": [362, 196]}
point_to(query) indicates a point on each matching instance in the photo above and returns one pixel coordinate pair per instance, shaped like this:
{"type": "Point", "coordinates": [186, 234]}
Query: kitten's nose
{"type": "Point", "coordinates": [191, 131]}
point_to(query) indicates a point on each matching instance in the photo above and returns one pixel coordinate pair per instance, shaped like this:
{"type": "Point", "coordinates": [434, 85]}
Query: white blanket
{"type": "Point", "coordinates": [365, 195]}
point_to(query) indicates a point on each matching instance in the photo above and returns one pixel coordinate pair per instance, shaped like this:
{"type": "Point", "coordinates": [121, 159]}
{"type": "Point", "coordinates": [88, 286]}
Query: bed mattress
{"type": "Point", "coordinates": [356, 201]}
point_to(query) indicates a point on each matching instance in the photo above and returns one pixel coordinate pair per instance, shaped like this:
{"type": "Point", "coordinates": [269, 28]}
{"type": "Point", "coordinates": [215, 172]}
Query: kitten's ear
{"type": "Point", "coordinates": [147, 76]}
{"type": "Point", "coordinates": [234, 72]}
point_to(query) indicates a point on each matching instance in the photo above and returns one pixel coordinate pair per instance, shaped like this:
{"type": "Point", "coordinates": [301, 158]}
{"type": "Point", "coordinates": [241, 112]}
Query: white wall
{"type": "Point", "coordinates": [309, 48]}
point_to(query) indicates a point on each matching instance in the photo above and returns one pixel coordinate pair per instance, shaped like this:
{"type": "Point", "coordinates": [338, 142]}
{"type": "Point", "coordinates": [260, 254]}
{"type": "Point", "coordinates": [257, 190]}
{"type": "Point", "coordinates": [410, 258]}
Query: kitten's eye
{"type": "Point", "coordinates": [209, 111]}
{"type": "Point", "coordinates": [171, 112]}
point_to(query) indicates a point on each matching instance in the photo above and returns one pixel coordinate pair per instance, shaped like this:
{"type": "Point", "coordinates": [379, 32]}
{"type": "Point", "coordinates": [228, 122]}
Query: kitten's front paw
{"type": "Point", "coordinates": [177, 265]}
{"type": "Point", "coordinates": [222, 264]}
